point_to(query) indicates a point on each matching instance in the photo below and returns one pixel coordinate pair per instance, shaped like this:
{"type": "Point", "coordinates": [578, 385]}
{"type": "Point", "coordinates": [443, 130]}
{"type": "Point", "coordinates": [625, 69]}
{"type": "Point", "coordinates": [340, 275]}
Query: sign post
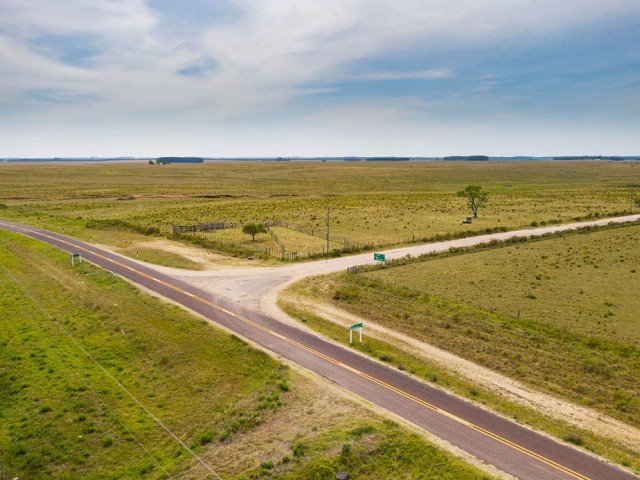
{"type": "Point", "coordinates": [73, 257]}
{"type": "Point", "coordinates": [357, 326]}
{"type": "Point", "coordinates": [379, 257]}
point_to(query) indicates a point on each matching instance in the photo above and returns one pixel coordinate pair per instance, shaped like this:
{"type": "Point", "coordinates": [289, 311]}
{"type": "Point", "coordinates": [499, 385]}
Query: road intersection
{"type": "Point", "coordinates": [239, 301]}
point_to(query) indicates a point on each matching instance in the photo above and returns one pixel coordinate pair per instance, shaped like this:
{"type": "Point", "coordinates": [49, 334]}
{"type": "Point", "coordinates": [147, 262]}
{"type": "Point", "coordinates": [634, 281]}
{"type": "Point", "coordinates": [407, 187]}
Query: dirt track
{"type": "Point", "coordinates": [258, 288]}
{"type": "Point", "coordinates": [492, 439]}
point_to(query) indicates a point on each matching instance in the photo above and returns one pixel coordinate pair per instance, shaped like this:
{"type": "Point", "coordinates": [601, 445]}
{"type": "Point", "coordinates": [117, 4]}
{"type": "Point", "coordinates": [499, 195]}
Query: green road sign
{"type": "Point", "coordinates": [378, 257]}
{"type": "Point", "coordinates": [356, 326]}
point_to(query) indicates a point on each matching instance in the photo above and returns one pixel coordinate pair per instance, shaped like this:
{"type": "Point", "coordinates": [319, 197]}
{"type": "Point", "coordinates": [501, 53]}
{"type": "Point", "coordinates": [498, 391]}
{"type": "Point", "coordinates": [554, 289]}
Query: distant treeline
{"type": "Point", "coordinates": [591, 157]}
{"type": "Point", "coordinates": [472, 158]}
{"type": "Point", "coordinates": [162, 160]}
{"type": "Point", "coordinates": [388, 159]}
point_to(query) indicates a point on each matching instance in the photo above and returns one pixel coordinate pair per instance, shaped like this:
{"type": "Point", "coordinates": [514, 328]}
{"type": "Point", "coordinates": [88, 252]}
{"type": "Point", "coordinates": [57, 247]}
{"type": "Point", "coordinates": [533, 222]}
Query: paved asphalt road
{"type": "Point", "coordinates": [511, 448]}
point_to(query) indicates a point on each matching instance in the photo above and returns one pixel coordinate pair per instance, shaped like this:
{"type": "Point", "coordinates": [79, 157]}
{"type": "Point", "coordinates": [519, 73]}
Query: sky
{"type": "Point", "coordinates": [233, 78]}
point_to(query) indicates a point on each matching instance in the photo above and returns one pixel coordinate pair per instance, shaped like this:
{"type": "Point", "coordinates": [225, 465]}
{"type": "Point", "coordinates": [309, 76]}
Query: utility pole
{"type": "Point", "coordinates": [328, 221]}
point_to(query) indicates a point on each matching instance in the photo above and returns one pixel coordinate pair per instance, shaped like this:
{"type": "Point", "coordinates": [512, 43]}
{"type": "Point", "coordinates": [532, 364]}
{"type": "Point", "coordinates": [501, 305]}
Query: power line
{"type": "Point", "coordinates": [112, 378]}
{"type": "Point", "coordinates": [86, 384]}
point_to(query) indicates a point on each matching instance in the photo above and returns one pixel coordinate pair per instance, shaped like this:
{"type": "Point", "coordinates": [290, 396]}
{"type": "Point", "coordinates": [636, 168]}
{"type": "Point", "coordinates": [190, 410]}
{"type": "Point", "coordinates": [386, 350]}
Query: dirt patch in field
{"type": "Point", "coordinates": [505, 387]}
{"type": "Point", "coordinates": [206, 259]}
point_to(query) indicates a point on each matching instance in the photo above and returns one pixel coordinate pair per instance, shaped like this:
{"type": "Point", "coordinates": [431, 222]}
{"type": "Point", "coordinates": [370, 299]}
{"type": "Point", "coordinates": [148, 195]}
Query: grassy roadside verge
{"type": "Point", "coordinates": [578, 334]}
{"type": "Point", "coordinates": [401, 359]}
{"type": "Point", "coordinates": [62, 415]}
{"type": "Point", "coordinates": [458, 301]}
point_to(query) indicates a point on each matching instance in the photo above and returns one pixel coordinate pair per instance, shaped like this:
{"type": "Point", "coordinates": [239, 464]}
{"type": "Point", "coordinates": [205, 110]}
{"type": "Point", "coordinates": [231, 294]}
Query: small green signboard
{"type": "Point", "coordinates": [378, 257]}
{"type": "Point", "coordinates": [357, 326]}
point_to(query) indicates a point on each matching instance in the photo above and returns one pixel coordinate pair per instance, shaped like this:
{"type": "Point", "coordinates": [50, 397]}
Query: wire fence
{"type": "Point", "coordinates": [276, 252]}
{"type": "Point", "coordinates": [314, 232]}
{"type": "Point", "coordinates": [274, 236]}
{"type": "Point", "coordinates": [203, 227]}
{"type": "Point", "coordinates": [206, 230]}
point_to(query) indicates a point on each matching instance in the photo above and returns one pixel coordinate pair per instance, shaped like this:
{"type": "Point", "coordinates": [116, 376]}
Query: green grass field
{"type": "Point", "coordinates": [383, 203]}
{"type": "Point", "coordinates": [62, 417]}
{"type": "Point", "coordinates": [70, 333]}
{"type": "Point", "coordinates": [396, 354]}
{"type": "Point", "coordinates": [582, 344]}
{"type": "Point", "coordinates": [584, 283]}
{"type": "Point", "coordinates": [577, 336]}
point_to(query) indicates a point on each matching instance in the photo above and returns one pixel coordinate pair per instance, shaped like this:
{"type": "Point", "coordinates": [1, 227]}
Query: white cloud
{"type": "Point", "coordinates": [271, 52]}
{"type": "Point", "coordinates": [40, 17]}
{"type": "Point", "coordinates": [22, 69]}
{"type": "Point", "coordinates": [277, 46]}
{"type": "Point", "coordinates": [121, 30]}
{"type": "Point", "coordinates": [432, 74]}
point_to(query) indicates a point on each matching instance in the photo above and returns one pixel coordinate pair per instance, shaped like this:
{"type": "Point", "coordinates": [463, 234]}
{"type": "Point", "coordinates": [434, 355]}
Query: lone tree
{"type": "Point", "coordinates": [475, 197]}
{"type": "Point", "coordinates": [253, 229]}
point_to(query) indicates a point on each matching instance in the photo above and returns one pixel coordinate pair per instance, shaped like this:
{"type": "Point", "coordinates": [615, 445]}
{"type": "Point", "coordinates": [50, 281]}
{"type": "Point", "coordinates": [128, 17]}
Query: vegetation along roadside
{"type": "Point", "coordinates": [96, 377]}
{"type": "Point", "coordinates": [565, 326]}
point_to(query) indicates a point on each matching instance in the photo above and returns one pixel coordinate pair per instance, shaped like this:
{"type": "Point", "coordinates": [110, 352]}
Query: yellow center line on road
{"type": "Point", "coordinates": [332, 360]}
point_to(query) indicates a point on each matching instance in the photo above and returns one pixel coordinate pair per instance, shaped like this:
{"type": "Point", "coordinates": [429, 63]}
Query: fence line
{"type": "Point", "coordinates": [203, 227]}
{"type": "Point", "coordinates": [273, 252]}
{"type": "Point", "coordinates": [275, 238]}
{"type": "Point", "coordinates": [281, 251]}
{"type": "Point", "coordinates": [347, 245]}
{"type": "Point", "coordinates": [310, 231]}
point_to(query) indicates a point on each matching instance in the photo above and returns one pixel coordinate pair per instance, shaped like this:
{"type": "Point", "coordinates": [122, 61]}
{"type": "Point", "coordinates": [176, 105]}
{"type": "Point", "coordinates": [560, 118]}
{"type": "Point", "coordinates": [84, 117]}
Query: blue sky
{"type": "Point", "coordinates": [306, 78]}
